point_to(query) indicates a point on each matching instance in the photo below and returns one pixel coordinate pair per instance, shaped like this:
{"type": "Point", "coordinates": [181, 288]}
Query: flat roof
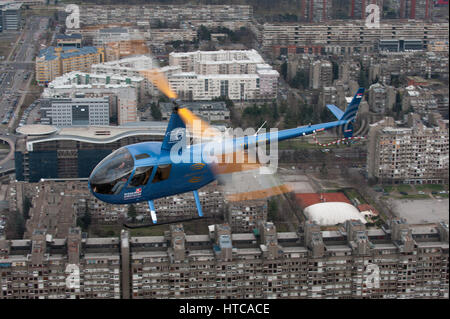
{"type": "Point", "coordinates": [197, 238]}
{"type": "Point", "coordinates": [99, 134]}
{"type": "Point", "coordinates": [147, 239]}
{"type": "Point", "coordinates": [36, 129]}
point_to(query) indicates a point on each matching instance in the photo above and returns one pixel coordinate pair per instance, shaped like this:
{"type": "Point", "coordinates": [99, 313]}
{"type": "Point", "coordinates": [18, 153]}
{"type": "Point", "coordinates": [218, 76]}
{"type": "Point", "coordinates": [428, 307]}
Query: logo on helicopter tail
{"type": "Point", "coordinates": [176, 134]}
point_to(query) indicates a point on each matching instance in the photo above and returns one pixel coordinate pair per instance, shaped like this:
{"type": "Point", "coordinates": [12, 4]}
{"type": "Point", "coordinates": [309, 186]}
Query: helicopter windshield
{"type": "Point", "coordinates": [112, 173]}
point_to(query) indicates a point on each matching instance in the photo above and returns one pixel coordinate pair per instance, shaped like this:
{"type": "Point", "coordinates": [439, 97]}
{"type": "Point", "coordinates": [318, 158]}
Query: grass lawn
{"type": "Point", "coordinates": [398, 188]}
{"type": "Point", "coordinates": [281, 227]}
{"type": "Point", "coordinates": [430, 187]}
{"type": "Point", "coordinates": [351, 193]}
{"type": "Point", "coordinates": [149, 231]}
{"type": "Point", "coordinates": [404, 188]}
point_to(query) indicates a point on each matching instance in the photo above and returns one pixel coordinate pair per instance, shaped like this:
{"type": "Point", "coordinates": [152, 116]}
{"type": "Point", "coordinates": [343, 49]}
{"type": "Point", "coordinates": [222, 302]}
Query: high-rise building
{"type": "Point", "coordinates": [62, 112]}
{"type": "Point", "coordinates": [10, 18]}
{"type": "Point", "coordinates": [315, 10]}
{"type": "Point", "coordinates": [244, 216]}
{"type": "Point", "coordinates": [145, 16]}
{"type": "Point", "coordinates": [416, 9]}
{"type": "Point", "coordinates": [416, 154]}
{"type": "Point", "coordinates": [320, 74]}
{"type": "Point", "coordinates": [408, 262]}
{"type": "Point", "coordinates": [341, 37]}
{"type": "Point", "coordinates": [381, 98]}
{"type": "Point", "coordinates": [124, 92]}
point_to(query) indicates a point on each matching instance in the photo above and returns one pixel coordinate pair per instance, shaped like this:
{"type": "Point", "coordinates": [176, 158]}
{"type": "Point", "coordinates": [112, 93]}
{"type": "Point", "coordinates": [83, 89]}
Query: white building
{"type": "Point", "coordinates": [236, 74]}
{"type": "Point", "coordinates": [123, 92]}
{"type": "Point", "coordinates": [116, 34]}
{"type": "Point", "coordinates": [204, 75]}
{"type": "Point", "coordinates": [133, 67]}
{"type": "Point", "coordinates": [63, 112]}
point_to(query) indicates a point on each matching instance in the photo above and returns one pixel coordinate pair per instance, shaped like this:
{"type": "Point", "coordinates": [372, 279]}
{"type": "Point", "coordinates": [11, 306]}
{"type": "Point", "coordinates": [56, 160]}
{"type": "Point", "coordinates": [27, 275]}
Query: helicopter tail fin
{"type": "Point", "coordinates": [175, 132]}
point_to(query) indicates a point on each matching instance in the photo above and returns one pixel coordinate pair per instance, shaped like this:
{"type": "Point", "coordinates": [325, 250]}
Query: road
{"type": "Point", "coordinates": [16, 74]}
{"type": "Point", "coordinates": [19, 66]}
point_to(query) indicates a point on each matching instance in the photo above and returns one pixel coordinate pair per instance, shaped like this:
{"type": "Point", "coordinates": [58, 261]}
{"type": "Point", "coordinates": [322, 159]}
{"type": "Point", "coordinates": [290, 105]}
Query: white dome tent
{"type": "Point", "coordinates": [333, 213]}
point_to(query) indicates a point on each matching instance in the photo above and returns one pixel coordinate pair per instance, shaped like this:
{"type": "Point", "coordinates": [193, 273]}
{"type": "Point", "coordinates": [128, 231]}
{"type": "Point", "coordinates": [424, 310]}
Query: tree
{"type": "Point", "coordinates": [335, 70]}
{"type": "Point", "coordinates": [283, 70]}
{"type": "Point", "coordinates": [300, 80]}
{"type": "Point", "coordinates": [26, 208]}
{"type": "Point", "coordinates": [397, 108]}
{"type": "Point", "coordinates": [156, 112]}
{"type": "Point", "coordinates": [203, 33]}
{"type": "Point", "coordinates": [20, 225]}
{"type": "Point", "coordinates": [272, 210]}
{"type": "Point", "coordinates": [84, 222]}
{"type": "Point", "coordinates": [363, 80]}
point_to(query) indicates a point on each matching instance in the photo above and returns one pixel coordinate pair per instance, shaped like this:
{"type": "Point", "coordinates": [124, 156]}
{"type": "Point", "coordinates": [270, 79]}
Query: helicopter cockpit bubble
{"type": "Point", "coordinates": [112, 173]}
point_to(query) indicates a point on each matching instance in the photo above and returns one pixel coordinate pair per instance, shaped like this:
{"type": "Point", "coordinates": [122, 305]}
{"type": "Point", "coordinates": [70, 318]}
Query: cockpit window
{"type": "Point", "coordinates": [141, 176]}
{"type": "Point", "coordinates": [112, 173]}
{"type": "Point", "coordinates": [162, 173]}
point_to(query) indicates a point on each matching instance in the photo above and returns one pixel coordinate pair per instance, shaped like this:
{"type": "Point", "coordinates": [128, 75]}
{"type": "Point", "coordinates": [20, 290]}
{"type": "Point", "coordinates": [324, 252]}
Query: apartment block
{"type": "Point", "coordinates": [320, 74]}
{"type": "Point", "coordinates": [124, 93]}
{"type": "Point", "coordinates": [69, 268]}
{"type": "Point", "coordinates": [342, 37]}
{"type": "Point", "coordinates": [52, 62]}
{"type": "Point", "coordinates": [134, 67]}
{"type": "Point", "coordinates": [159, 37]}
{"type": "Point", "coordinates": [145, 16]}
{"type": "Point", "coordinates": [414, 154]}
{"type": "Point", "coordinates": [210, 111]}
{"type": "Point", "coordinates": [244, 216]}
{"type": "Point", "coordinates": [416, 9]}
{"type": "Point", "coordinates": [238, 75]}
{"type": "Point", "coordinates": [398, 261]}
{"type": "Point", "coordinates": [381, 98]}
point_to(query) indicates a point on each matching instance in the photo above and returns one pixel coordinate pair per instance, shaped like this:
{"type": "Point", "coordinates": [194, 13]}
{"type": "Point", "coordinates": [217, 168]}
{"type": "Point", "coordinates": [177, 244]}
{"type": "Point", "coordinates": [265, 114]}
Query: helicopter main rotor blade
{"type": "Point", "coordinates": [159, 80]}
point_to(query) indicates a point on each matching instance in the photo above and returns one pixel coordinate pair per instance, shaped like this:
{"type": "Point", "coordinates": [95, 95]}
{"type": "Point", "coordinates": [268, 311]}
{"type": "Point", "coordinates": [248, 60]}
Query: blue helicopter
{"type": "Point", "coordinates": [146, 171]}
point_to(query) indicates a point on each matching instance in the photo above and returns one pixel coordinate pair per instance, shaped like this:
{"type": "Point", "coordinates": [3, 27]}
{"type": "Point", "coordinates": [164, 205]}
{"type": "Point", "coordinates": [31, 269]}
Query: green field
{"type": "Point", "coordinates": [351, 194]}
{"type": "Point", "coordinates": [430, 187]}
{"type": "Point", "coordinates": [413, 191]}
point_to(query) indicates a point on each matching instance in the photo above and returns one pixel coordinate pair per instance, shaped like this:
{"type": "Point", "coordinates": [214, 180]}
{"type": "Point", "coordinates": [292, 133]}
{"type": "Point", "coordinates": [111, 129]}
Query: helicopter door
{"type": "Point", "coordinates": [162, 173]}
{"type": "Point", "coordinates": [141, 176]}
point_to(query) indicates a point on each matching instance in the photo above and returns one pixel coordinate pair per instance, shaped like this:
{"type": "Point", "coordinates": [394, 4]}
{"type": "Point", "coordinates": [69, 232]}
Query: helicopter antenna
{"type": "Point", "coordinates": [176, 105]}
{"type": "Point", "coordinates": [260, 127]}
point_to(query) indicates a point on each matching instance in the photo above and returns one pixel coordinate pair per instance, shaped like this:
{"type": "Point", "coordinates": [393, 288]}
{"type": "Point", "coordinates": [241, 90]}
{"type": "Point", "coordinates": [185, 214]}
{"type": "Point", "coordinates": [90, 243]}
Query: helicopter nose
{"type": "Point", "coordinates": [112, 173]}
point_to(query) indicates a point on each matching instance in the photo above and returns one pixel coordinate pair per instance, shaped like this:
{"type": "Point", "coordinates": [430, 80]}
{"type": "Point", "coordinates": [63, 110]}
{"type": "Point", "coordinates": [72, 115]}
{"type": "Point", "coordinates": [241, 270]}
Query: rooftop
{"type": "Point", "coordinates": [49, 53]}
